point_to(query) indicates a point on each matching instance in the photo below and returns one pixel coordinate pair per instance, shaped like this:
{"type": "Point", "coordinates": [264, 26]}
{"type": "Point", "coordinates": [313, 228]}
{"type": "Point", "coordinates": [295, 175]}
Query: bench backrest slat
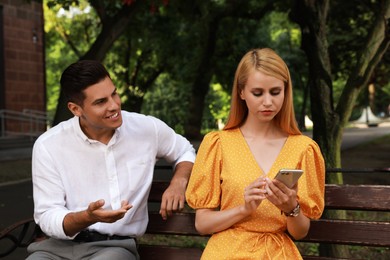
{"type": "Point", "coordinates": [347, 197]}
{"type": "Point", "coordinates": [322, 230]}
{"type": "Point", "coordinates": [157, 190]}
{"type": "Point", "coordinates": [177, 224]}
{"type": "Point", "coordinates": [357, 197]}
{"type": "Point", "coordinates": [352, 197]}
{"type": "Point", "coordinates": [352, 232]}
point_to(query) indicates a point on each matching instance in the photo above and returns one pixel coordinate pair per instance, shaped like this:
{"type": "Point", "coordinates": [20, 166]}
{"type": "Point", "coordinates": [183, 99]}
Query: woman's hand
{"type": "Point", "coordinates": [286, 200]}
{"type": "Point", "coordinates": [209, 221]}
{"type": "Point", "coordinates": [254, 194]}
{"type": "Point", "coordinates": [281, 196]}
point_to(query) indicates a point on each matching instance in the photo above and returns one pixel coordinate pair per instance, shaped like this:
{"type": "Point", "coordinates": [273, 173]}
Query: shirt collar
{"type": "Point", "coordinates": [84, 137]}
{"type": "Point", "coordinates": [79, 132]}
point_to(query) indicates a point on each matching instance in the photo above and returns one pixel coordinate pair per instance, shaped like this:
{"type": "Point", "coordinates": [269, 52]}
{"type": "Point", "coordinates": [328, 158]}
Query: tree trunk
{"type": "Point", "coordinates": [311, 17]}
{"type": "Point", "coordinates": [328, 122]}
{"type": "Point", "coordinates": [204, 71]}
{"type": "Point", "coordinates": [201, 84]}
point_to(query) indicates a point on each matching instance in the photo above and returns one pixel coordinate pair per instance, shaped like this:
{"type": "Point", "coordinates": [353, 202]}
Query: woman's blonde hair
{"type": "Point", "coordinates": [268, 62]}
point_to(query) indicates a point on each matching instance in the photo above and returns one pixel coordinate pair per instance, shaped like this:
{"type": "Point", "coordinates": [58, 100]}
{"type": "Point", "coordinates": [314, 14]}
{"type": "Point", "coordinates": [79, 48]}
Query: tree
{"type": "Point", "coordinates": [68, 34]}
{"type": "Point", "coordinates": [145, 52]}
{"type": "Point", "coordinates": [203, 19]}
{"type": "Point", "coordinates": [114, 21]}
{"type": "Point", "coordinates": [330, 117]}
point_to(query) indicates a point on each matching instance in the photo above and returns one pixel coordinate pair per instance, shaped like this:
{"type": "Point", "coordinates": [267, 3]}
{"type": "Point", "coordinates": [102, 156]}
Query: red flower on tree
{"type": "Point", "coordinates": [128, 2]}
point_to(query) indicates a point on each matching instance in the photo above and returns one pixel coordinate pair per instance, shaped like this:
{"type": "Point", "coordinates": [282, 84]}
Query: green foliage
{"type": "Point", "coordinates": [167, 101]}
{"type": "Point", "coordinates": [217, 111]}
{"type": "Point", "coordinates": [166, 39]}
{"type": "Point", "coordinates": [348, 21]}
{"type": "Point", "coordinates": [68, 34]}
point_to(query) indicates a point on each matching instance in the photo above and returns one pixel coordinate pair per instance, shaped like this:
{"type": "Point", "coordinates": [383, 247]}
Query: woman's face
{"type": "Point", "coordinates": [264, 96]}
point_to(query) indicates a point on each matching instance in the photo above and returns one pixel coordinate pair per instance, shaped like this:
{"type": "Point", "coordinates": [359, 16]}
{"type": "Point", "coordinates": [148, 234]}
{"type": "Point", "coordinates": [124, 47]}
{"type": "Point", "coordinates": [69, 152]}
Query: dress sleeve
{"type": "Point", "coordinates": [203, 189]}
{"type": "Point", "coordinates": [312, 187]}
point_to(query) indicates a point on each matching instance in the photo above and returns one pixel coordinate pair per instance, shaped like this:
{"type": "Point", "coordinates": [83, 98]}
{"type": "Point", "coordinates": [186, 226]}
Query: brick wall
{"type": "Point", "coordinates": [24, 69]}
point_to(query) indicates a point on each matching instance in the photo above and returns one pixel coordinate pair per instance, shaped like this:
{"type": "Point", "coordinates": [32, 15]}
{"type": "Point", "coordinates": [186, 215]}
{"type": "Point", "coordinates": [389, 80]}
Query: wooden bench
{"type": "Point", "coordinates": [180, 227]}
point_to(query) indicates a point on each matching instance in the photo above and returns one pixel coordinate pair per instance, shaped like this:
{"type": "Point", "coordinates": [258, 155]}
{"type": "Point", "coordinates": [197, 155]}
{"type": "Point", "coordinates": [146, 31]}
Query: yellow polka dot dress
{"type": "Point", "coordinates": [225, 166]}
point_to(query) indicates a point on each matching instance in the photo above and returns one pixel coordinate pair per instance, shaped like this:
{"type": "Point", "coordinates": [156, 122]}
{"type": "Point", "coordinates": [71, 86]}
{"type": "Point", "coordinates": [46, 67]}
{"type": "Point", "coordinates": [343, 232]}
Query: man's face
{"type": "Point", "coordinates": [100, 114]}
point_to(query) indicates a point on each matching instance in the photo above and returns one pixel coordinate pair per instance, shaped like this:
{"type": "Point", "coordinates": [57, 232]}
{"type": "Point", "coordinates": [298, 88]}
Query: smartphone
{"type": "Point", "coordinates": [289, 176]}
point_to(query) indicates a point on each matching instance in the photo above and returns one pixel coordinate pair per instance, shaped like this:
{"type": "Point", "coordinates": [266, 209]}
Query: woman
{"type": "Point", "coordinates": [232, 184]}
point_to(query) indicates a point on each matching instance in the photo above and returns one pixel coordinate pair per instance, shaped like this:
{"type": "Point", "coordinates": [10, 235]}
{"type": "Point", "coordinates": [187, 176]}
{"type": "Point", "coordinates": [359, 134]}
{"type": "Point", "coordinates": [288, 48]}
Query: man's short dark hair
{"type": "Point", "coordinates": [80, 75]}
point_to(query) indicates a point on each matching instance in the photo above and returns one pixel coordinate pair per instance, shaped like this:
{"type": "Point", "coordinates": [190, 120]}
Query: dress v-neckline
{"type": "Point", "coordinates": [253, 159]}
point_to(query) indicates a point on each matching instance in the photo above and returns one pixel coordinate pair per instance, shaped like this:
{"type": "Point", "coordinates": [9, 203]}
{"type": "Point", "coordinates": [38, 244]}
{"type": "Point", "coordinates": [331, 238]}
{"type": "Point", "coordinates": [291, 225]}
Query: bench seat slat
{"type": "Point", "coordinates": [175, 253]}
{"type": "Point", "coordinates": [171, 253]}
{"type": "Point", "coordinates": [349, 232]}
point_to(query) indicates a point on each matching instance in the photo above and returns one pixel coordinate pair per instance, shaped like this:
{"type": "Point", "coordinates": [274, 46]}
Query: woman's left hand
{"type": "Point", "coordinates": [281, 196]}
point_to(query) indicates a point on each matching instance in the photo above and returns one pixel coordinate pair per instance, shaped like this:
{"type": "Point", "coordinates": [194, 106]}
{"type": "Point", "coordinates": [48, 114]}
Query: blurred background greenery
{"type": "Point", "coordinates": [176, 59]}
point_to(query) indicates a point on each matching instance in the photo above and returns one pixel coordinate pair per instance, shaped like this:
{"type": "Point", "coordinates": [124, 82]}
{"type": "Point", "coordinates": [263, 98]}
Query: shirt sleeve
{"type": "Point", "coordinates": [312, 187]}
{"type": "Point", "coordinates": [171, 146]}
{"type": "Point", "coordinates": [203, 189]}
{"type": "Point", "coordinates": [49, 195]}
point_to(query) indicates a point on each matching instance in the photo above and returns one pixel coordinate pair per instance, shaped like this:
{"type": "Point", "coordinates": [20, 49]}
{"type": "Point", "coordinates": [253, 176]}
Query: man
{"type": "Point", "coordinates": [92, 173]}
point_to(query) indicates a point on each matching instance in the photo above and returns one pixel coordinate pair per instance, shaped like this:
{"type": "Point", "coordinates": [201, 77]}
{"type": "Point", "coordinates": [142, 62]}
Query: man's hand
{"type": "Point", "coordinates": [173, 198]}
{"type": "Point", "coordinates": [98, 214]}
{"type": "Point", "coordinates": [76, 221]}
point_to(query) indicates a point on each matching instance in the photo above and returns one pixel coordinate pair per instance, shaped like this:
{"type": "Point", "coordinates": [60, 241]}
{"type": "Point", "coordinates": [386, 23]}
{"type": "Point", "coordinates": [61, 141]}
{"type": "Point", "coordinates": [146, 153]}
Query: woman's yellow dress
{"type": "Point", "coordinates": [225, 166]}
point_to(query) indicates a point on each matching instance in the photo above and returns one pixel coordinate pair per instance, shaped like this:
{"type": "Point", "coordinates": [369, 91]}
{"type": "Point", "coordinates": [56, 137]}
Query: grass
{"type": "Point", "coordinates": [176, 240]}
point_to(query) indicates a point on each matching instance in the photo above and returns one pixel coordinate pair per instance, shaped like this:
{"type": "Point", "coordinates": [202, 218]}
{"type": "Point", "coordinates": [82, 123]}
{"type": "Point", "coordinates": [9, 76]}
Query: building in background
{"type": "Point", "coordinates": [22, 68]}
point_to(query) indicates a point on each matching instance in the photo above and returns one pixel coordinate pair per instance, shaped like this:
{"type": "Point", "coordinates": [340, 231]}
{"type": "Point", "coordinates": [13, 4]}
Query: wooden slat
{"type": "Point", "coordinates": [323, 230]}
{"type": "Point", "coordinates": [357, 170]}
{"type": "Point", "coordinates": [312, 257]}
{"type": "Point", "coordinates": [171, 253]}
{"type": "Point", "coordinates": [157, 190]}
{"type": "Point", "coordinates": [346, 197]}
{"type": "Point", "coordinates": [178, 224]}
{"type": "Point", "coordinates": [174, 253]}
{"type": "Point", "coordinates": [349, 197]}
{"type": "Point", "coordinates": [357, 197]}
{"type": "Point", "coordinates": [349, 232]}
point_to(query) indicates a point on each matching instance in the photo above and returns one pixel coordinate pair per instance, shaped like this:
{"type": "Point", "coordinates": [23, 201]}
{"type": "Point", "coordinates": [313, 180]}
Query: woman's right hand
{"type": "Point", "coordinates": [254, 194]}
{"type": "Point", "coordinates": [209, 221]}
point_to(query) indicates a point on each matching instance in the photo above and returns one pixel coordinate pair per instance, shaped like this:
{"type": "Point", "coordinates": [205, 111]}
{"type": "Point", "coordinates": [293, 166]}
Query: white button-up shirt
{"type": "Point", "coordinates": [70, 171]}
